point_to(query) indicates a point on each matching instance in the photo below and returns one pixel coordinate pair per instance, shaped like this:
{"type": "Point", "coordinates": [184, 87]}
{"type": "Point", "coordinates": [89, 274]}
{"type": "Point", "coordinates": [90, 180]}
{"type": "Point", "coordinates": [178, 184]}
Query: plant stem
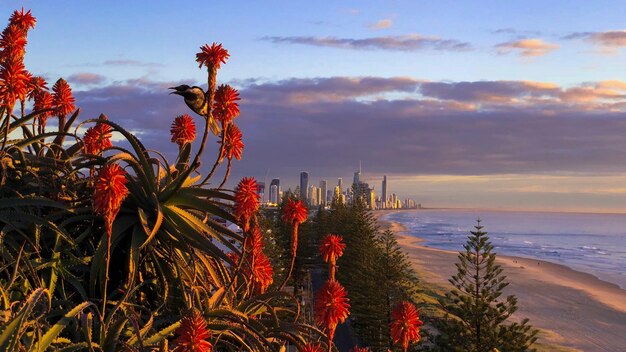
{"type": "Point", "coordinates": [230, 161]}
{"type": "Point", "coordinates": [219, 159]}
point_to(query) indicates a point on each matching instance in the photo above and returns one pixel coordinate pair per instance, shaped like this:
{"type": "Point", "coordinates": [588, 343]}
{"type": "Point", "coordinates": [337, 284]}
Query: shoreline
{"type": "Point", "coordinates": [572, 308]}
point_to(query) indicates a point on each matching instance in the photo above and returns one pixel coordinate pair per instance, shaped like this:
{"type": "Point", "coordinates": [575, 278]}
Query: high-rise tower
{"type": "Point", "coordinates": [275, 191]}
{"type": "Point", "coordinates": [384, 195]}
{"type": "Point", "coordinates": [304, 185]}
{"type": "Point", "coordinates": [323, 189]}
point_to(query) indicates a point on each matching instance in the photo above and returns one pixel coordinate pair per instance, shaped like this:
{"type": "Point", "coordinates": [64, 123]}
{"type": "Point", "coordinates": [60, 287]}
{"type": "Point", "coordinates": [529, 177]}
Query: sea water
{"type": "Point", "coordinates": [592, 243]}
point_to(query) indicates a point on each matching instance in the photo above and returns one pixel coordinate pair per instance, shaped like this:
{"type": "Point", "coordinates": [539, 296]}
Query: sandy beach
{"type": "Point", "coordinates": [572, 308]}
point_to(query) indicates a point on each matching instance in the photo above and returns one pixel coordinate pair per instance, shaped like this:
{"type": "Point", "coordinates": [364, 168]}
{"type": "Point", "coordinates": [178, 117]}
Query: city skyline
{"type": "Point", "coordinates": [522, 109]}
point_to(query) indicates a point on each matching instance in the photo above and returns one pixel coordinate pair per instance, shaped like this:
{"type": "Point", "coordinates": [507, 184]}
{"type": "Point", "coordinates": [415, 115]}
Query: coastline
{"type": "Point", "coordinates": [571, 308]}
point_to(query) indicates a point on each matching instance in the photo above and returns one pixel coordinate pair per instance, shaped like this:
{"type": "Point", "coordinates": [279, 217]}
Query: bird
{"type": "Point", "coordinates": [196, 100]}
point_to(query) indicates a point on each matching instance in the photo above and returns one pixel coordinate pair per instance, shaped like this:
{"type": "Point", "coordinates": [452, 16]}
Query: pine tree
{"type": "Point", "coordinates": [476, 316]}
{"type": "Point", "coordinates": [397, 278]}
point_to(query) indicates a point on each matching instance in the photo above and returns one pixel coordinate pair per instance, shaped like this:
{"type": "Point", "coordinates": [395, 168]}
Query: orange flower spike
{"type": "Point", "coordinates": [310, 347]}
{"type": "Point", "coordinates": [233, 145]}
{"type": "Point", "coordinates": [331, 307]}
{"type": "Point", "coordinates": [109, 193]}
{"type": "Point", "coordinates": [246, 201]}
{"type": "Point", "coordinates": [63, 100]}
{"type": "Point", "coordinates": [43, 101]}
{"type": "Point", "coordinates": [183, 130]}
{"type": "Point", "coordinates": [23, 20]}
{"type": "Point", "coordinates": [405, 327]}
{"type": "Point", "coordinates": [262, 272]}
{"type": "Point", "coordinates": [13, 43]}
{"type": "Point", "coordinates": [295, 213]}
{"type": "Point", "coordinates": [212, 56]}
{"type": "Point", "coordinates": [14, 82]}
{"type": "Point", "coordinates": [37, 85]}
{"type": "Point", "coordinates": [331, 249]}
{"type": "Point", "coordinates": [226, 107]}
{"type": "Point", "coordinates": [97, 139]}
{"type": "Point", "coordinates": [253, 241]}
{"type": "Point", "coordinates": [192, 334]}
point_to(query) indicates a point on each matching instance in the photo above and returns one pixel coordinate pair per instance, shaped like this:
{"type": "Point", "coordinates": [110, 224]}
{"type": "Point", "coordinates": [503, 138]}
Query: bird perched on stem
{"type": "Point", "coordinates": [196, 100]}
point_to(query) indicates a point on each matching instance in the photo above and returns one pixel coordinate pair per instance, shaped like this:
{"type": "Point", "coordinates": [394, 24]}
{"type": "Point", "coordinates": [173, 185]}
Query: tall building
{"type": "Point", "coordinates": [357, 175]}
{"type": "Point", "coordinates": [314, 196]}
{"type": "Point", "coordinates": [323, 189]}
{"type": "Point", "coordinates": [384, 195]}
{"type": "Point", "coordinates": [340, 184]}
{"type": "Point", "coordinates": [304, 186]}
{"type": "Point", "coordinates": [261, 190]}
{"type": "Point", "coordinates": [275, 191]}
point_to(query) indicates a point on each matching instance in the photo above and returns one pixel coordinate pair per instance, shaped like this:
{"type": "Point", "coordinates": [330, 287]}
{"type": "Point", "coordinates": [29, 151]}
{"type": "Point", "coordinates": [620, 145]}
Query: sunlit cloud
{"type": "Point", "coordinates": [615, 39]}
{"type": "Point", "coordinates": [408, 42]}
{"type": "Point", "coordinates": [527, 47]}
{"type": "Point", "coordinates": [382, 24]}
{"type": "Point", "coordinates": [86, 78]}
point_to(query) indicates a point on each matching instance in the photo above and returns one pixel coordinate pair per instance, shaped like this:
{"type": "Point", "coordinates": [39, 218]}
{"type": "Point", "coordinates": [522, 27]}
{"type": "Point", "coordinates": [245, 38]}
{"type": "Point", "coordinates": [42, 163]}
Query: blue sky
{"type": "Point", "coordinates": [494, 104]}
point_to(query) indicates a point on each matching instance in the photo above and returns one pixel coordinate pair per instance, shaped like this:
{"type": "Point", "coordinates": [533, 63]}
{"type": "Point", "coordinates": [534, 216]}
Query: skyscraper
{"type": "Point", "coordinates": [323, 188]}
{"type": "Point", "coordinates": [275, 191]}
{"type": "Point", "coordinates": [384, 195]}
{"type": "Point", "coordinates": [357, 175]}
{"type": "Point", "coordinates": [340, 184]}
{"type": "Point", "coordinates": [304, 186]}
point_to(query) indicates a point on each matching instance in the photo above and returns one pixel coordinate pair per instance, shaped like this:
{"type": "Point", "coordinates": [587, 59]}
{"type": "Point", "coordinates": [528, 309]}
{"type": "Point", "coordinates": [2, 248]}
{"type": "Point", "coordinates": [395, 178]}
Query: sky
{"type": "Point", "coordinates": [482, 104]}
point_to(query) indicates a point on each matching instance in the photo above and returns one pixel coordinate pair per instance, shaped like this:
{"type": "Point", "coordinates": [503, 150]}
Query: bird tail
{"type": "Point", "coordinates": [214, 126]}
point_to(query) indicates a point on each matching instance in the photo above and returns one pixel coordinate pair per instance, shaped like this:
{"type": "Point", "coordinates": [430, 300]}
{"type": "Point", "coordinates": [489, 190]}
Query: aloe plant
{"type": "Point", "coordinates": [59, 288]}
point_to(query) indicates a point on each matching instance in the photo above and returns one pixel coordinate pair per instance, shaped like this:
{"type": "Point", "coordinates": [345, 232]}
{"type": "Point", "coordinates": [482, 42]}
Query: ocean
{"type": "Point", "coordinates": [592, 243]}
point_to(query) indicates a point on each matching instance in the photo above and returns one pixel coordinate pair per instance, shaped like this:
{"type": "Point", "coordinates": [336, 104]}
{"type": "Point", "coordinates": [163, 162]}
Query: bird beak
{"type": "Point", "coordinates": [175, 90]}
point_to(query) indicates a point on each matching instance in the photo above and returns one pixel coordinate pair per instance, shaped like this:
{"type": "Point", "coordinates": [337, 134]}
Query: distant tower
{"type": "Point", "coordinates": [340, 184]}
{"type": "Point", "coordinates": [275, 191]}
{"type": "Point", "coordinates": [357, 175]}
{"type": "Point", "coordinates": [304, 185]}
{"type": "Point", "coordinates": [323, 188]}
{"type": "Point", "coordinates": [384, 195]}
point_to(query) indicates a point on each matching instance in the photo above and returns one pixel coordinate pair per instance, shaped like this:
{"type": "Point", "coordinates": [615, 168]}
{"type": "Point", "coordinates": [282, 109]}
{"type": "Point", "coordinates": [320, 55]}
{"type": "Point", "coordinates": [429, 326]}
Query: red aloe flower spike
{"type": "Point", "coordinates": [253, 241]}
{"type": "Point", "coordinates": [14, 82]}
{"type": "Point", "coordinates": [13, 43]}
{"type": "Point", "coordinates": [97, 139]}
{"type": "Point", "coordinates": [23, 20]}
{"type": "Point", "coordinates": [405, 327]}
{"type": "Point", "coordinates": [331, 249]}
{"type": "Point", "coordinates": [110, 191]}
{"type": "Point", "coordinates": [37, 85]}
{"type": "Point", "coordinates": [183, 130]}
{"type": "Point", "coordinates": [225, 107]}
{"type": "Point", "coordinates": [43, 101]}
{"type": "Point", "coordinates": [192, 334]}
{"type": "Point", "coordinates": [246, 201]}
{"type": "Point", "coordinates": [294, 213]}
{"type": "Point", "coordinates": [212, 56]}
{"type": "Point", "coordinates": [262, 272]}
{"type": "Point", "coordinates": [331, 307]}
{"type": "Point", "coordinates": [310, 347]}
{"type": "Point", "coordinates": [233, 145]}
{"type": "Point", "coordinates": [63, 100]}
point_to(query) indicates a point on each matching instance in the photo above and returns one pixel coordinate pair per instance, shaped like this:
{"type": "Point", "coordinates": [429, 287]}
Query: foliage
{"type": "Point", "coordinates": [477, 316]}
{"type": "Point", "coordinates": [374, 270]}
{"type": "Point", "coordinates": [59, 288]}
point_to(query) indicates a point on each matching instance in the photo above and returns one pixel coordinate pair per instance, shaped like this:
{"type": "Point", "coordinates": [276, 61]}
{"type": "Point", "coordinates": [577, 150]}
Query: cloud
{"type": "Point", "coordinates": [382, 24]}
{"type": "Point", "coordinates": [125, 62]}
{"type": "Point", "coordinates": [527, 47]}
{"type": "Point", "coordinates": [397, 126]}
{"type": "Point", "coordinates": [86, 78]}
{"type": "Point", "coordinates": [409, 42]}
{"type": "Point", "coordinates": [609, 39]}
